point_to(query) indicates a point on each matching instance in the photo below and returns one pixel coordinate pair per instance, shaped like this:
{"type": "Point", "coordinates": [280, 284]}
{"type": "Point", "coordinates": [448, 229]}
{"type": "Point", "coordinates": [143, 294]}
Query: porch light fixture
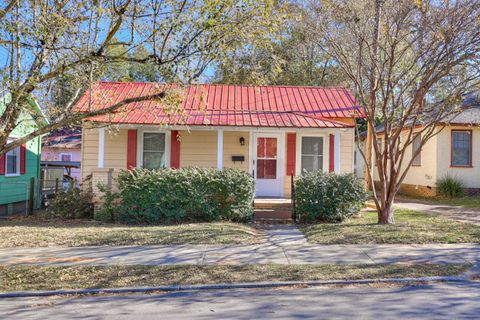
{"type": "Point", "coordinates": [242, 141]}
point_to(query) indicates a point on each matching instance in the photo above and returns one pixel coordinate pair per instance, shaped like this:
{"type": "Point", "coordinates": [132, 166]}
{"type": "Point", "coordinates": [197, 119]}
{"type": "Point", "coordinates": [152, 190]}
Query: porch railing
{"type": "Point", "coordinates": [292, 195]}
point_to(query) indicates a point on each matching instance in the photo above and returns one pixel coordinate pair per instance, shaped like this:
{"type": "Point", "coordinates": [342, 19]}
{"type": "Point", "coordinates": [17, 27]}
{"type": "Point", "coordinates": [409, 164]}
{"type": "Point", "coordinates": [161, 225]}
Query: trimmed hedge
{"type": "Point", "coordinates": [184, 195]}
{"type": "Point", "coordinates": [328, 197]}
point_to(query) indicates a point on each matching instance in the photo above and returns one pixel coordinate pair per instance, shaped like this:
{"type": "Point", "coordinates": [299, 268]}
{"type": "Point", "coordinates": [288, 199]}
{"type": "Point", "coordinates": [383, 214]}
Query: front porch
{"type": "Point", "coordinates": [271, 156]}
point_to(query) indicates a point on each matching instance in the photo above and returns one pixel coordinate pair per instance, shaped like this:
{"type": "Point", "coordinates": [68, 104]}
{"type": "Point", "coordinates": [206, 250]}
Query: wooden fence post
{"type": "Point", "coordinates": [56, 186]}
{"type": "Point", "coordinates": [31, 196]}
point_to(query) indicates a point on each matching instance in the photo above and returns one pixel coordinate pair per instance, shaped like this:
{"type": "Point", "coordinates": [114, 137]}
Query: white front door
{"type": "Point", "coordinates": [267, 163]}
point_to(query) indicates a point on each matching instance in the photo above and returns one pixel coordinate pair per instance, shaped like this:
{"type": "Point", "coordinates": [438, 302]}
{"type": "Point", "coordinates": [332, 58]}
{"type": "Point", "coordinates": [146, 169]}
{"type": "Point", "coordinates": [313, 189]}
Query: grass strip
{"type": "Point", "coordinates": [24, 278]}
{"type": "Point", "coordinates": [31, 232]}
{"type": "Point", "coordinates": [411, 227]}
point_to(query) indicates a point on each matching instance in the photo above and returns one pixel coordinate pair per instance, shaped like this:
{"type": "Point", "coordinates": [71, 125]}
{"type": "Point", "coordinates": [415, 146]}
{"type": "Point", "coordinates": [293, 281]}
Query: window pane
{"type": "Point", "coordinates": [66, 157]}
{"type": "Point", "coordinates": [312, 153]}
{"type": "Point", "coordinates": [154, 141]}
{"type": "Point", "coordinates": [311, 163]}
{"type": "Point", "coordinates": [271, 148]}
{"type": "Point", "coordinates": [261, 147]}
{"type": "Point", "coordinates": [153, 160]}
{"type": "Point", "coordinates": [153, 150]}
{"type": "Point", "coordinates": [461, 148]}
{"type": "Point", "coordinates": [417, 161]}
{"type": "Point", "coordinates": [11, 164]}
{"type": "Point", "coordinates": [312, 145]}
{"type": "Point", "coordinates": [266, 169]}
{"type": "Point", "coordinates": [12, 161]}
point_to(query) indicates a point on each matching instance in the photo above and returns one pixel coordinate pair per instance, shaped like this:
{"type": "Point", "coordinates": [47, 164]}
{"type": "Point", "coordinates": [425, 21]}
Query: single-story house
{"type": "Point", "coordinates": [454, 151]}
{"type": "Point", "coordinates": [62, 149]}
{"type": "Point", "coordinates": [21, 164]}
{"type": "Point", "coordinates": [272, 132]}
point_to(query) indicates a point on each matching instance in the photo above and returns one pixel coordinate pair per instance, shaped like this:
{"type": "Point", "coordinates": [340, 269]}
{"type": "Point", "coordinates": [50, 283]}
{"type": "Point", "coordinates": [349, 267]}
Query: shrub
{"type": "Point", "coordinates": [328, 197]}
{"type": "Point", "coordinates": [109, 210]}
{"type": "Point", "coordinates": [451, 187]}
{"type": "Point", "coordinates": [71, 204]}
{"type": "Point", "coordinates": [184, 195]}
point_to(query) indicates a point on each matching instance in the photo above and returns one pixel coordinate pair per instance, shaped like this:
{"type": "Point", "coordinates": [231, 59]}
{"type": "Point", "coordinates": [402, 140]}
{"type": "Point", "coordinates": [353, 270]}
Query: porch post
{"type": "Point", "coordinates": [337, 153]}
{"type": "Point", "coordinates": [220, 149]}
{"type": "Point", "coordinates": [101, 147]}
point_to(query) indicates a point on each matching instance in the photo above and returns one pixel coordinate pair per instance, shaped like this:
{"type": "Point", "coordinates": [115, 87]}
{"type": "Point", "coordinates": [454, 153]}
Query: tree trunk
{"type": "Point", "coordinates": [385, 215]}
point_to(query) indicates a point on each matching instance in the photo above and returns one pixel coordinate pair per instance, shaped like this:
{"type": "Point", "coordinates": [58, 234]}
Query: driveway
{"type": "Point", "coordinates": [456, 213]}
{"type": "Point", "coordinates": [436, 301]}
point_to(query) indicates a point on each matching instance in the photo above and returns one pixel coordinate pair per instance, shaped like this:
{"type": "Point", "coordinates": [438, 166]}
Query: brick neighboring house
{"type": "Point", "coordinates": [454, 151]}
{"type": "Point", "coordinates": [272, 132]}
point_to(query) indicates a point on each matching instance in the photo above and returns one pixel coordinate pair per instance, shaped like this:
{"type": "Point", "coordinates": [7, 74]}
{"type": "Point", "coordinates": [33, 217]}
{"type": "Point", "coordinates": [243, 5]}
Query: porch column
{"type": "Point", "coordinates": [220, 149]}
{"type": "Point", "coordinates": [101, 147]}
{"type": "Point", "coordinates": [337, 153]}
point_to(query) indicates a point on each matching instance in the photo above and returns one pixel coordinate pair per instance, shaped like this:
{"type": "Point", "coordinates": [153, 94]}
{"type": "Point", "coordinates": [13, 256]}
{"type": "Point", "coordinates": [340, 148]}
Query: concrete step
{"type": "Point", "coordinates": [286, 206]}
{"type": "Point", "coordinates": [272, 214]}
{"type": "Point", "coordinates": [273, 221]}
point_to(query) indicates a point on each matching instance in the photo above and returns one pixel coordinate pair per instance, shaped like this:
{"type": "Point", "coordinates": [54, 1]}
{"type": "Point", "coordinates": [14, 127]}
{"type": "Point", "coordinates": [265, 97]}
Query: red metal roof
{"type": "Point", "coordinates": [225, 105]}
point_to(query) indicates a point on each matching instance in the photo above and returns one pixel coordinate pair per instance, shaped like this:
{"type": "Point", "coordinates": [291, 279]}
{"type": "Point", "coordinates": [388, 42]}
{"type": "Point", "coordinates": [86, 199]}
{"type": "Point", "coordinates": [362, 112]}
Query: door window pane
{"type": "Point", "coordinates": [153, 150]}
{"type": "Point", "coordinates": [266, 169]}
{"type": "Point", "coordinates": [312, 153]}
{"type": "Point", "coordinates": [266, 158]}
{"type": "Point", "coordinates": [461, 148]}
{"type": "Point", "coordinates": [271, 148]}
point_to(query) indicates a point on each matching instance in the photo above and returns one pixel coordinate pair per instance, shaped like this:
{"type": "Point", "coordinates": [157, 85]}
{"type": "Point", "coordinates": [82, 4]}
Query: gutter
{"type": "Point", "coordinates": [247, 285]}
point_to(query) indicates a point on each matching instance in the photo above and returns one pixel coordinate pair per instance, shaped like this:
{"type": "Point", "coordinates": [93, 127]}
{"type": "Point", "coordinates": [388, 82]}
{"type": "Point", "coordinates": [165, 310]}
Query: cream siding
{"type": "Point", "coordinates": [198, 149]}
{"type": "Point", "coordinates": [346, 151]}
{"type": "Point", "coordinates": [232, 147]}
{"type": "Point", "coordinates": [89, 151]}
{"type": "Point", "coordinates": [116, 149]}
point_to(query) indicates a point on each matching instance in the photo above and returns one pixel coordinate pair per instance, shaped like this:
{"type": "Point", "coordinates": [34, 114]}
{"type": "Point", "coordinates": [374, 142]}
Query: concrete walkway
{"type": "Point", "coordinates": [456, 213]}
{"type": "Point", "coordinates": [243, 254]}
{"type": "Point", "coordinates": [286, 234]}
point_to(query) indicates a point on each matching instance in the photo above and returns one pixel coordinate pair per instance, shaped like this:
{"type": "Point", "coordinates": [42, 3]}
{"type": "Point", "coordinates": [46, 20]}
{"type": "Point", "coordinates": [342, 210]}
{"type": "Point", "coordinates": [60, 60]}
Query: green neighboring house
{"type": "Point", "coordinates": [22, 163]}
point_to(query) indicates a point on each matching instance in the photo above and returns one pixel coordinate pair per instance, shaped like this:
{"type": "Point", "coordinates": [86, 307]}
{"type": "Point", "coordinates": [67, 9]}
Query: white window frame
{"type": "Point", "coordinates": [66, 154]}
{"type": "Point", "coordinates": [140, 134]}
{"type": "Point", "coordinates": [298, 151]}
{"type": "Point", "coordinates": [19, 154]}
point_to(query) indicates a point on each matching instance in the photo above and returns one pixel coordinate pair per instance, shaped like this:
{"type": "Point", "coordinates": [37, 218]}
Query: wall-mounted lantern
{"type": "Point", "coordinates": [242, 141]}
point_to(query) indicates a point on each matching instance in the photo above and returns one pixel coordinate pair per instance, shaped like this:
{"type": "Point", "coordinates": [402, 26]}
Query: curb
{"type": "Point", "coordinates": [204, 287]}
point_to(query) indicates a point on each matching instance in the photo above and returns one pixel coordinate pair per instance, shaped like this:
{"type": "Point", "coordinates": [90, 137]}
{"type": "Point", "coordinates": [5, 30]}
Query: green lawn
{"type": "Point", "coordinates": [466, 202]}
{"type": "Point", "coordinates": [410, 227]}
{"type": "Point", "coordinates": [74, 277]}
{"type": "Point", "coordinates": [31, 232]}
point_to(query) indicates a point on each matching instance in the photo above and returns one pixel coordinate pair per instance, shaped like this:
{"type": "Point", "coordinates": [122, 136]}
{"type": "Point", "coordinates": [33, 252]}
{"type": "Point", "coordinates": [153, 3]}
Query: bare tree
{"type": "Point", "coordinates": [410, 63]}
{"type": "Point", "coordinates": [45, 42]}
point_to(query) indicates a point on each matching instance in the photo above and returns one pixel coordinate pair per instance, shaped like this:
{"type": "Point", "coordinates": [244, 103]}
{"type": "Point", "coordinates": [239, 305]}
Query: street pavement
{"type": "Point", "coordinates": [434, 301]}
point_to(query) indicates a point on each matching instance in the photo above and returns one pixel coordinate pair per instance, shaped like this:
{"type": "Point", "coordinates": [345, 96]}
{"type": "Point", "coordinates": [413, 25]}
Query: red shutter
{"type": "Point", "coordinates": [23, 158]}
{"type": "Point", "coordinates": [331, 154]}
{"type": "Point", "coordinates": [175, 150]}
{"type": "Point", "coordinates": [132, 149]}
{"type": "Point", "coordinates": [291, 150]}
{"type": "Point", "coordinates": [2, 164]}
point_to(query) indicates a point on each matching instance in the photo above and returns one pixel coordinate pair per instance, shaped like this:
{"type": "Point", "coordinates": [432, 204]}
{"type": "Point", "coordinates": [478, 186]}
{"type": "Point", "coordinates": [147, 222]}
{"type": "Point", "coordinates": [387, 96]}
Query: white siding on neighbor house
{"type": "Point", "coordinates": [423, 175]}
{"type": "Point", "coordinates": [469, 176]}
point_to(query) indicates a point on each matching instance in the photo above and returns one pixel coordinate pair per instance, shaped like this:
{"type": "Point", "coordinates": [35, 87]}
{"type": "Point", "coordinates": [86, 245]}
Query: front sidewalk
{"type": "Point", "coordinates": [244, 254]}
